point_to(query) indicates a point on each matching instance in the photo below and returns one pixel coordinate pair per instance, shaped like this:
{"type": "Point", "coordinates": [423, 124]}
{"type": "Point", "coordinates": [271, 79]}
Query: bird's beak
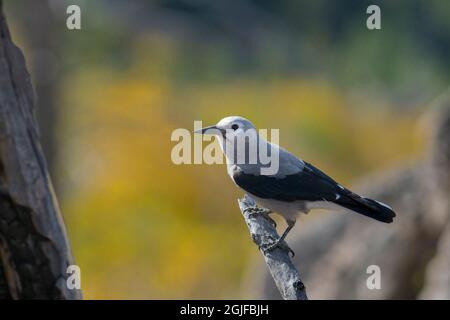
{"type": "Point", "coordinates": [211, 129]}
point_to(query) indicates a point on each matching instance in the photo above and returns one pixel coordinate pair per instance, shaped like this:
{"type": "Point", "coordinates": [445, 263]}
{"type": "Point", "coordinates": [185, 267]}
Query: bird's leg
{"type": "Point", "coordinates": [291, 224]}
{"type": "Point", "coordinates": [280, 242]}
{"type": "Point", "coordinates": [263, 212]}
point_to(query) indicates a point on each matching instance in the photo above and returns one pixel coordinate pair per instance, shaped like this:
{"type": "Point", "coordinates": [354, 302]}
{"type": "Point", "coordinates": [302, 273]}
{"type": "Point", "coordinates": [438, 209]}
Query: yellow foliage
{"type": "Point", "coordinates": [142, 227]}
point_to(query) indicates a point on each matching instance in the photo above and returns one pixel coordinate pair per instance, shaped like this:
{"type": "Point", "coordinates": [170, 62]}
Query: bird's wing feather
{"type": "Point", "coordinates": [309, 184]}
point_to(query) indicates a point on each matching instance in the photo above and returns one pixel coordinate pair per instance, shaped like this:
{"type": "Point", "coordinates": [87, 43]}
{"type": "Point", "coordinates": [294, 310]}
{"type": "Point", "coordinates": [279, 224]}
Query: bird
{"type": "Point", "coordinates": [295, 188]}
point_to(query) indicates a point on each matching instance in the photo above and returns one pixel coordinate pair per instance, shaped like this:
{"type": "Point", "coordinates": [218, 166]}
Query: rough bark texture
{"type": "Point", "coordinates": [42, 35]}
{"type": "Point", "coordinates": [34, 250]}
{"type": "Point", "coordinates": [336, 248]}
{"type": "Point", "coordinates": [287, 279]}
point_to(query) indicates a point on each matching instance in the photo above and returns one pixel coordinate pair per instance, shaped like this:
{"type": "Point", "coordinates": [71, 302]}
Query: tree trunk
{"type": "Point", "coordinates": [34, 250]}
{"type": "Point", "coordinates": [41, 35]}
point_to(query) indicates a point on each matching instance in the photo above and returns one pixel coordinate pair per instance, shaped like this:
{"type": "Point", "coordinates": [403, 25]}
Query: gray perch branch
{"type": "Point", "coordinates": [280, 265]}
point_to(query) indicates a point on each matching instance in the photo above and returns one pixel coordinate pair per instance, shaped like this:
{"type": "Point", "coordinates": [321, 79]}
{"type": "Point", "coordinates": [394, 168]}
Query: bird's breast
{"type": "Point", "coordinates": [289, 210]}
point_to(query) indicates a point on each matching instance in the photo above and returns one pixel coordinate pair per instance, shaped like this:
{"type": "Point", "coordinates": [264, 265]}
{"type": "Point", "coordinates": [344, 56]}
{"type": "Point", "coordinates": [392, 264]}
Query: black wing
{"type": "Point", "coordinates": [310, 184]}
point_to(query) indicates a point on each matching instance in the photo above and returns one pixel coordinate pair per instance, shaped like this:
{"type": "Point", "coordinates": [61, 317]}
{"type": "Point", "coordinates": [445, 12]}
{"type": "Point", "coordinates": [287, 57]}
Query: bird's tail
{"type": "Point", "coordinates": [368, 207]}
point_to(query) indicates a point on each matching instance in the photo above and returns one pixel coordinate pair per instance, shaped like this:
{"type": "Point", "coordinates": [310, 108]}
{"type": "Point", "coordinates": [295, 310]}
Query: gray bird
{"type": "Point", "coordinates": [295, 188]}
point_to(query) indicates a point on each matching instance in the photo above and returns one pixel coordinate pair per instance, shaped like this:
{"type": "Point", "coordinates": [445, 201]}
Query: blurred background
{"type": "Point", "coordinates": [350, 100]}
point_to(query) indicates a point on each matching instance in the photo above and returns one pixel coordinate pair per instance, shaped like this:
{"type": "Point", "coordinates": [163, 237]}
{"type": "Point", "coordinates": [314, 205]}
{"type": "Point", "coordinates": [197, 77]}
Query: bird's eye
{"type": "Point", "coordinates": [234, 127]}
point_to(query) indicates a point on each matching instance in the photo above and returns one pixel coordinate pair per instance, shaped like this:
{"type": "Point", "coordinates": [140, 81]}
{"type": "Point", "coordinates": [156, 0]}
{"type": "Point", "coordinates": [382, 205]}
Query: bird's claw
{"type": "Point", "coordinates": [278, 244]}
{"type": "Point", "coordinates": [253, 211]}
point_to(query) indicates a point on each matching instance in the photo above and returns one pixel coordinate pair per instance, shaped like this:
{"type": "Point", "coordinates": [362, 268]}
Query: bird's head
{"type": "Point", "coordinates": [243, 146]}
{"type": "Point", "coordinates": [228, 127]}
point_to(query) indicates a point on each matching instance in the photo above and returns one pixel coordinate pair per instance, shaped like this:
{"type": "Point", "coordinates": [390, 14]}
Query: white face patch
{"type": "Point", "coordinates": [337, 196]}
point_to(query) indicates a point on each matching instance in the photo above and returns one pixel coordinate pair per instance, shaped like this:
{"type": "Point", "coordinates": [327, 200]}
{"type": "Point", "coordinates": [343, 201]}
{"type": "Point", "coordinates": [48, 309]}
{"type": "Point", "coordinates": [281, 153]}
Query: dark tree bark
{"type": "Point", "coordinates": [41, 35]}
{"type": "Point", "coordinates": [34, 250]}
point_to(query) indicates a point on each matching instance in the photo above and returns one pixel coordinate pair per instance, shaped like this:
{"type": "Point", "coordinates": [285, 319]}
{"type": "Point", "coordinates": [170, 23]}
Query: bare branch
{"type": "Point", "coordinates": [280, 265]}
